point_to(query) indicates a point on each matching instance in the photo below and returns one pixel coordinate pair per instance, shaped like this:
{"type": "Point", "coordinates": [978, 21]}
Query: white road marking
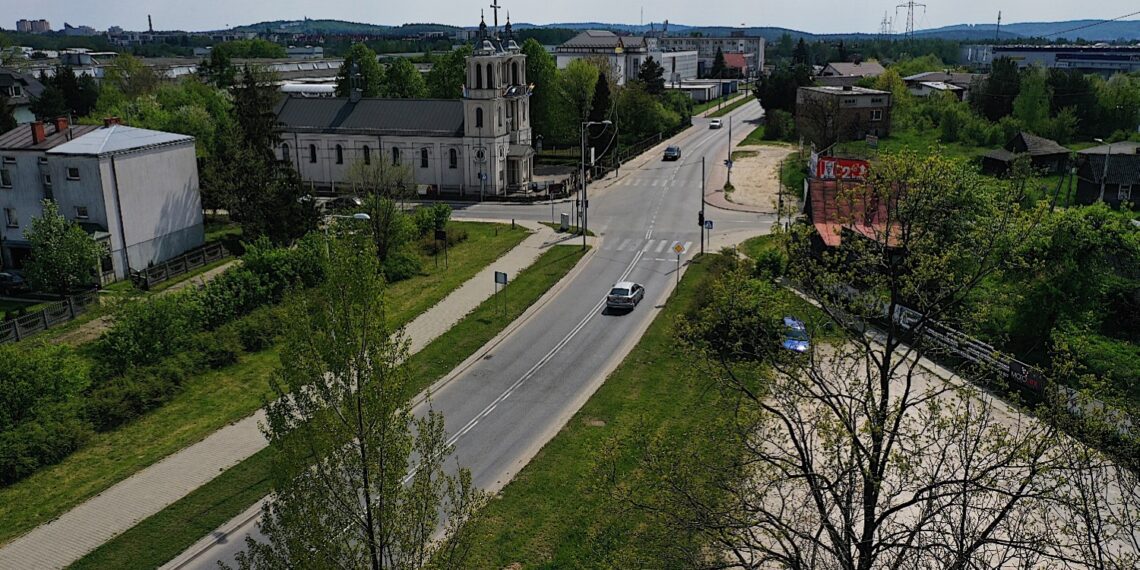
{"type": "Point", "coordinates": [624, 245]}
{"type": "Point", "coordinates": [661, 246]}
{"type": "Point", "coordinates": [688, 244]}
{"type": "Point", "coordinates": [648, 245]}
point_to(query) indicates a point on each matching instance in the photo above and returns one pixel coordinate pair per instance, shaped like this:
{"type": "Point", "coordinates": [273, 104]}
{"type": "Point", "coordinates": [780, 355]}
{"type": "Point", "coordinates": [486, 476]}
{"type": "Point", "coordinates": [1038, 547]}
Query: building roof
{"type": "Point", "coordinates": [953, 78]}
{"type": "Point", "coordinates": [29, 85]}
{"type": "Point", "coordinates": [735, 60]}
{"type": "Point", "coordinates": [601, 40]}
{"type": "Point", "coordinates": [1122, 169]}
{"type": "Point", "coordinates": [520, 151]}
{"type": "Point", "coordinates": [20, 138]}
{"type": "Point", "coordinates": [1035, 145]}
{"type": "Point", "coordinates": [1124, 147]}
{"type": "Point", "coordinates": [428, 117]}
{"type": "Point", "coordinates": [852, 90]}
{"type": "Point", "coordinates": [118, 139]}
{"type": "Point", "coordinates": [862, 69]}
{"type": "Point", "coordinates": [940, 86]}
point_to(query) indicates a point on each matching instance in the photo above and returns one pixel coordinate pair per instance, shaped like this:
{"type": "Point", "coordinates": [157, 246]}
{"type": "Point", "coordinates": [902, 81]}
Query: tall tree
{"type": "Point", "coordinates": [131, 76]}
{"type": "Point", "coordinates": [386, 187]}
{"type": "Point", "coordinates": [778, 89]}
{"type": "Point", "coordinates": [218, 70]}
{"type": "Point", "coordinates": [993, 96]}
{"type": "Point", "coordinates": [1031, 106]}
{"type": "Point", "coordinates": [360, 70]}
{"type": "Point", "coordinates": [801, 56]}
{"type": "Point", "coordinates": [403, 81]}
{"type": "Point", "coordinates": [719, 68]}
{"type": "Point", "coordinates": [542, 72]}
{"type": "Point", "coordinates": [1072, 89]}
{"type": "Point", "coordinates": [601, 109]}
{"type": "Point", "coordinates": [448, 74]}
{"type": "Point", "coordinates": [51, 103]}
{"type": "Point", "coordinates": [63, 257]}
{"type": "Point", "coordinates": [576, 89]}
{"type": "Point", "coordinates": [359, 481]}
{"type": "Point", "coordinates": [7, 115]}
{"type": "Point", "coordinates": [652, 76]}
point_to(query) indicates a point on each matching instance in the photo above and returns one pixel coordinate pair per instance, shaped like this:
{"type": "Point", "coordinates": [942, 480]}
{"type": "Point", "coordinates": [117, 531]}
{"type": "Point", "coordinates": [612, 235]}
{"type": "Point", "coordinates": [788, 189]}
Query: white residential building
{"type": "Point", "coordinates": [134, 190]}
{"type": "Point", "coordinates": [626, 55]}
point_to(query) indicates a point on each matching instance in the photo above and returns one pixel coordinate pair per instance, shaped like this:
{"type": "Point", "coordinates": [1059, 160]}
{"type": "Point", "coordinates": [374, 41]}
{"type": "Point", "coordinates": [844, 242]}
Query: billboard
{"type": "Point", "coordinates": [831, 168]}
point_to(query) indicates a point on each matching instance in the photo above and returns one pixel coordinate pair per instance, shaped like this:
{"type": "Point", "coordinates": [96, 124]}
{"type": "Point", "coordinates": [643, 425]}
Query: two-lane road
{"type": "Point", "coordinates": [503, 409]}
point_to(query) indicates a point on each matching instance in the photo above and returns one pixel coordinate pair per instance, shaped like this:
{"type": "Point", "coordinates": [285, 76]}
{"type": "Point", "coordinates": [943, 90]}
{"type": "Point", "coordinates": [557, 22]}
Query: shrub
{"type": "Point", "coordinates": [770, 264]}
{"type": "Point", "coordinates": [33, 378]}
{"type": "Point", "coordinates": [44, 441]}
{"type": "Point", "coordinates": [259, 329]}
{"type": "Point", "coordinates": [147, 331]}
{"type": "Point", "coordinates": [219, 348]}
{"type": "Point", "coordinates": [232, 294]}
{"type": "Point", "coordinates": [127, 397]}
{"type": "Point", "coordinates": [401, 265]}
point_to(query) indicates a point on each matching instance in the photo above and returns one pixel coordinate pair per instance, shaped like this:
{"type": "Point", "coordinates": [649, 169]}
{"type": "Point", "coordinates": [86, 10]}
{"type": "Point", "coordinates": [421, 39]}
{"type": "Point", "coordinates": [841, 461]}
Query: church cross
{"type": "Point", "coordinates": [495, 6]}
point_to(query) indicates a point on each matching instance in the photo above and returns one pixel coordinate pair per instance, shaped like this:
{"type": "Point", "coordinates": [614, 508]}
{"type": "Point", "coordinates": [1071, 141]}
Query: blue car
{"type": "Point", "coordinates": [796, 337]}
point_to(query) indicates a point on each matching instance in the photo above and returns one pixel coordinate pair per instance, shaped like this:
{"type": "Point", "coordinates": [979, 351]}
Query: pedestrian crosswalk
{"type": "Point", "coordinates": [655, 183]}
{"type": "Point", "coordinates": [654, 246]}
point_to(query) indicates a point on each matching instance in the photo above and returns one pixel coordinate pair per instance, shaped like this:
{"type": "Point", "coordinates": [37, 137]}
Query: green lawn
{"type": "Point", "coordinates": [572, 231]}
{"type": "Point", "coordinates": [736, 104]}
{"type": "Point", "coordinates": [171, 531]}
{"type": "Point", "coordinates": [702, 107]}
{"type": "Point", "coordinates": [215, 399]}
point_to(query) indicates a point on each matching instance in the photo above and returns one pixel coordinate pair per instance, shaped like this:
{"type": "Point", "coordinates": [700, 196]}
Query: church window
{"type": "Point", "coordinates": [478, 77]}
{"type": "Point", "coordinates": [367, 155]}
{"type": "Point", "coordinates": [499, 114]}
{"type": "Point", "coordinates": [515, 73]}
{"type": "Point", "coordinates": [423, 158]}
{"type": "Point", "coordinates": [479, 118]}
{"type": "Point", "coordinates": [313, 153]}
{"type": "Point", "coordinates": [490, 77]}
{"type": "Point", "coordinates": [285, 152]}
{"type": "Point", "coordinates": [339, 154]}
{"type": "Point", "coordinates": [453, 159]}
{"type": "Point", "coordinates": [395, 155]}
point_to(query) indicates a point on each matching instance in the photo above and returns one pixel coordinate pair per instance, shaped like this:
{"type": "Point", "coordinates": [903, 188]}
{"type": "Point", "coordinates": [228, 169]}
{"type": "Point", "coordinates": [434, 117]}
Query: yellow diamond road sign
{"type": "Point", "coordinates": [679, 248]}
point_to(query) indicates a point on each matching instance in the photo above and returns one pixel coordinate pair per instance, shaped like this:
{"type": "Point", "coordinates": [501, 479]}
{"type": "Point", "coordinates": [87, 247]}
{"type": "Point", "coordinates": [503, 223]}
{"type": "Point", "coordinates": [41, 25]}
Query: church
{"type": "Point", "coordinates": [473, 147]}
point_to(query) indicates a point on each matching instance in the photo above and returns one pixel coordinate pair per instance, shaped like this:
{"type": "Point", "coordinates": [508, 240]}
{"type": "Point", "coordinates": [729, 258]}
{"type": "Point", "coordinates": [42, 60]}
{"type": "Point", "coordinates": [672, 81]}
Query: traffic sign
{"type": "Point", "coordinates": [679, 248]}
{"type": "Point", "coordinates": [728, 163]}
{"type": "Point", "coordinates": [500, 278]}
{"type": "Point", "coordinates": [708, 224]}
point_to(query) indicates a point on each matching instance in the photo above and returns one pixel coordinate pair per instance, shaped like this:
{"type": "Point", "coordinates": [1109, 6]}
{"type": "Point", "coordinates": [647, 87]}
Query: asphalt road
{"type": "Point", "coordinates": [503, 409]}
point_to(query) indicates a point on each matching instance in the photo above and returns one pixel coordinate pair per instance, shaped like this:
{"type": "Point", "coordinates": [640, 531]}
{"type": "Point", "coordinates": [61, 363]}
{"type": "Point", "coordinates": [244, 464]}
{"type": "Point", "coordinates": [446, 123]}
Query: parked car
{"type": "Point", "coordinates": [673, 153]}
{"type": "Point", "coordinates": [11, 283]}
{"type": "Point", "coordinates": [796, 338]}
{"type": "Point", "coordinates": [715, 124]}
{"type": "Point", "coordinates": [344, 203]}
{"type": "Point", "coordinates": [625, 295]}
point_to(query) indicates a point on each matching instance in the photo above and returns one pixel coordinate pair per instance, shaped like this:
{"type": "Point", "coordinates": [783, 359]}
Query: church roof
{"type": "Point", "coordinates": [409, 117]}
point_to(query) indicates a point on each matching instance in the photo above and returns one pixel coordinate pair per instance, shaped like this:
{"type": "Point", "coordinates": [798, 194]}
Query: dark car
{"type": "Point", "coordinates": [673, 153]}
{"type": "Point", "coordinates": [11, 283]}
{"type": "Point", "coordinates": [344, 203]}
{"type": "Point", "coordinates": [625, 295]}
{"type": "Point", "coordinates": [796, 337]}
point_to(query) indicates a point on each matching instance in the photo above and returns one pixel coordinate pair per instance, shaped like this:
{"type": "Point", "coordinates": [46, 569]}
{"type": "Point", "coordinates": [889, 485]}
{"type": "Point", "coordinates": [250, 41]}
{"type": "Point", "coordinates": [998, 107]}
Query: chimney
{"type": "Point", "coordinates": [149, 24]}
{"type": "Point", "coordinates": [847, 88]}
{"type": "Point", "coordinates": [111, 121]}
{"type": "Point", "coordinates": [60, 124]}
{"type": "Point", "coordinates": [38, 134]}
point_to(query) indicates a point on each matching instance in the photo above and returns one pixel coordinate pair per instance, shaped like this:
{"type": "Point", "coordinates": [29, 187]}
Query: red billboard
{"type": "Point", "coordinates": [831, 168]}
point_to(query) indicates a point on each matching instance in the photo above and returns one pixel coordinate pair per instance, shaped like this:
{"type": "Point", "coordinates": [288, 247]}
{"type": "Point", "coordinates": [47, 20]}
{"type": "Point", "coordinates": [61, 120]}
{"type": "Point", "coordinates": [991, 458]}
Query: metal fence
{"type": "Point", "coordinates": [55, 314]}
{"type": "Point", "coordinates": [180, 265]}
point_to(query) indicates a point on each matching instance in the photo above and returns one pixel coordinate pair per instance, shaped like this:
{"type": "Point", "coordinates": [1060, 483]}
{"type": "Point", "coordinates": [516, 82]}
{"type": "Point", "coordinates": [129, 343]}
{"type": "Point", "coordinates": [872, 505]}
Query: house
{"type": "Point", "coordinates": [134, 190]}
{"type": "Point", "coordinates": [626, 55]}
{"type": "Point", "coordinates": [479, 145]}
{"type": "Point", "coordinates": [841, 74]}
{"type": "Point", "coordinates": [1109, 173]}
{"type": "Point", "coordinates": [737, 64]}
{"type": "Point", "coordinates": [826, 115]}
{"type": "Point", "coordinates": [751, 48]}
{"type": "Point", "coordinates": [925, 84]}
{"type": "Point", "coordinates": [1044, 154]}
{"type": "Point", "coordinates": [20, 89]}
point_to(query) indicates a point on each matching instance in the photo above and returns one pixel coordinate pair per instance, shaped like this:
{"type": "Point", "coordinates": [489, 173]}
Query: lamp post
{"type": "Point", "coordinates": [585, 201]}
{"type": "Point", "coordinates": [359, 216]}
{"type": "Point", "coordinates": [1104, 175]}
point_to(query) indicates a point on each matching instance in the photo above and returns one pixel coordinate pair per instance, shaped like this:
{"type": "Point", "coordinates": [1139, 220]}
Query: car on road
{"type": "Point", "coordinates": [625, 295]}
{"type": "Point", "coordinates": [715, 124]}
{"type": "Point", "coordinates": [12, 283]}
{"type": "Point", "coordinates": [673, 153]}
{"type": "Point", "coordinates": [796, 338]}
{"type": "Point", "coordinates": [344, 204]}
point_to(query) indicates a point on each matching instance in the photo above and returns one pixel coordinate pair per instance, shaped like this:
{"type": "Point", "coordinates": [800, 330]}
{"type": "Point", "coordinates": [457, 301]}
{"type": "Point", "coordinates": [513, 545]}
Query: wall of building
{"type": "Point", "coordinates": [707, 48]}
{"type": "Point", "coordinates": [24, 196]}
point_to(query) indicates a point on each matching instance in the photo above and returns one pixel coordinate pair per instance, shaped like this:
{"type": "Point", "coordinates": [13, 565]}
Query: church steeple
{"type": "Point", "coordinates": [508, 32]}
{"type": "Point", "coordinates": [482, 26]}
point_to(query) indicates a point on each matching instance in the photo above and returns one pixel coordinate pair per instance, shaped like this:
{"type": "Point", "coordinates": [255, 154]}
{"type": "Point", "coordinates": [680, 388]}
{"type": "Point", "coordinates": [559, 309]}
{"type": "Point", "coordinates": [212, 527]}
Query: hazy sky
{"type": "Point", "coordinates": [813, 16]}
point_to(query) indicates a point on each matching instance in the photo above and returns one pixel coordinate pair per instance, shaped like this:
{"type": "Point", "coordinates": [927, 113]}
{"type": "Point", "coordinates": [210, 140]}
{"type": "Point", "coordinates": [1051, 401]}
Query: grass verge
{"type": "Point", "coordinates": [738, 103]}
{"type": "Point", "coordinates": [703, 107]}
{"type": "Point", "coordinates": [168, 533]}
{"type": "Point", "coordinates": [572, 231]}
{"type": "Point", "coordinates": [215, 399]}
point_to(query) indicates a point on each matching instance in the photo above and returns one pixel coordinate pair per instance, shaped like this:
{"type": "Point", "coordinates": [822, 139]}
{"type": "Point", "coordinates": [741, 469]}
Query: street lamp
{"type": "Point", "coordinates": [1104, 176]}
{"type": "Point", "coordinates": [359, 217]}
{"type": "Point", "coordinates": [585, 201]}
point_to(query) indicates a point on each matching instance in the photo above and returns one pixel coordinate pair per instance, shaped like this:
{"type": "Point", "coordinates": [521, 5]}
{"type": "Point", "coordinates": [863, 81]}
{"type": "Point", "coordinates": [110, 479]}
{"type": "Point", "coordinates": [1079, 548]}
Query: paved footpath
{"type": "Point", "coordinates": [103, 517]}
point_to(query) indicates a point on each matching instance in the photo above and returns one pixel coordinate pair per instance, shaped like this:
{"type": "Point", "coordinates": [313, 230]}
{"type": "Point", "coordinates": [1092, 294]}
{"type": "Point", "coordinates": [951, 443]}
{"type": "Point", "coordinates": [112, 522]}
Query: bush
{"type": "Point", "coordinates": [430, 246]}
{"type": "Point", "coordinates": [770, 264]}
{"type": "Point", "coordinates": [127, 397]}
{"type": "Point", "coordinates": [233, 294]}
{"type": "Point", "coordinates": [259, 329]}
{"type": "Point", "coordinates": [431, 218]}
{"type": "Point", "coordinates": [780, 126]}
{"type": "Point", "coordinates": [401, 265]}
{"type": "Point", "coordinates": [147, 331]}
{"type": "Point", "coordinates": [36, 444]}
{"type": "Point", "coordinates": [32, 378]}
{"type": "Point", "coordinates": [219, 348]}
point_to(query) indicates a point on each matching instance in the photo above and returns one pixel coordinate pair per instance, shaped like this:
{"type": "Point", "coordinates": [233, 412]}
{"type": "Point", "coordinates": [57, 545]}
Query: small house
{"type": "Point", "coordinates": [1045, 155]}
{"type": "Point", "coordinates": [1109, 174]}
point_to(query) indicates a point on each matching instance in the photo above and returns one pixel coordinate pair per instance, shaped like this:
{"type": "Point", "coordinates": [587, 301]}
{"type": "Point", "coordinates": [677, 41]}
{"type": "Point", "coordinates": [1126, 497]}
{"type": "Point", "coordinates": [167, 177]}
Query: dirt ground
{"type": "Point", "coordinates": [756, 176]}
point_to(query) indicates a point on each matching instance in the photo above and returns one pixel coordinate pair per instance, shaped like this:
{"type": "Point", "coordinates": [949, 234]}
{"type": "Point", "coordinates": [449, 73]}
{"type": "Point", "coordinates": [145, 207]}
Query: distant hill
{"type": "Point", "coordinates": [1093, 30]}
{"type": "Point", "coordinates": [314, 27]}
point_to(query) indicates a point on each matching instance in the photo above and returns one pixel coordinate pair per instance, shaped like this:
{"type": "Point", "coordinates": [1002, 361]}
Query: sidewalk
{"type": "Point", "coordinates": [74, 534]}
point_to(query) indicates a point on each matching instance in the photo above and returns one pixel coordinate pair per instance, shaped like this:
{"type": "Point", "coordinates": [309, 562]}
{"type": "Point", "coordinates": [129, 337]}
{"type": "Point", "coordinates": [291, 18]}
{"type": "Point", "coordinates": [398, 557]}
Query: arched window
{"type": "Point", "coordinates": [478, 77]}
{"type": "Point", "coordinates": [367, 155]}
{"type": "Point", "coordinates": [339, 154]}
{"type": "Point", "coordinates": [453, 159]}
{"type": "Point", "coordinates": [479, 118]}
{"type": "Point", "coordinates": [423, 158]}
{"type": "Point", "coordinates": [490, 77]}
{"type": "Point", "coordinates": [499, 113]}
{"type": "Point", "coordinates": [395, 155]}
{"type": "Point", "coordinates": [515, 73]}
{"type": "Point", "coordinates": [285, 152]}
{"type": "Point", "coordinates": [313, 153]}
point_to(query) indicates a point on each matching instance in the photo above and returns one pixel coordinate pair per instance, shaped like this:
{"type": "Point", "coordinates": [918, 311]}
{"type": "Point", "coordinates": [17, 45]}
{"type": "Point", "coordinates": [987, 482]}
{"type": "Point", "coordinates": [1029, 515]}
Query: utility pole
{"type": "Point", "coordinates": [910, 5]}
{"type": "Point", "coordinates": [729, 162]}
{"type": "Point", "coordinates": [701, 214]}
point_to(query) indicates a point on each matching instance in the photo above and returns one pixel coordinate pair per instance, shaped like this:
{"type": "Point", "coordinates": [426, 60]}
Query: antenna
{"type": "Point", "coordinates": [910, 5]}
{"type": "Point", "coordinates": [997, 34]}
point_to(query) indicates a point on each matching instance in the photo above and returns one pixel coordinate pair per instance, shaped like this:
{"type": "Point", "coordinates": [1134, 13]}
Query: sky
{"type": "Point", "coordinates": [818, 16]}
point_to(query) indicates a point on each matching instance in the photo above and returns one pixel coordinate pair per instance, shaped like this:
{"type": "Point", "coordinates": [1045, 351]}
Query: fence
{"type": "Point", "coordinates": [180, 265]}
{"type": "Point", "coordinates": [54, 314]}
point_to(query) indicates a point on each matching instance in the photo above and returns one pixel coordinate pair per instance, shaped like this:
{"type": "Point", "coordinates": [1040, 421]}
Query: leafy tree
{"type": "Point", "coordinates": [1119, 99]}
{"type": "Point", "coordinates": [719, 68]}
{"type": "Point", "coordinates": [542, 72]}
{"type": "Point", "coordinates": [256, 48]}
{"type": "Point", "coordinates": [915, 65]}
{"type": "Point", "coordinates": [362, 71]}
{"type": "Point", "coordinates": [577, 84]}
{"type": "Point", "coordinates": [7, 115]}
{"type": "Point", "coordinates": [801, 56]}
{"type": "Point", "coordinates": [386, 188]}
{"type": "Point", "coordinates": [1031, 106]}
{"type": "Point", "coordinates": [131, 76]}
{"type": "Point", "coordinates": [778, 90]}
{"type": "Point", "coordinates": [218, 70]}
{"type": "Point", "coordinates": [448, 74]}
{"type": "Point", "coordinates": [347, 491]}
{"type": "Point", "coordinates": [640, 115]}
{"type": "Point", "coordinates": [64, 257]}
{"type": "Point", "coordinates": [993, 97]}
{"type": "Point", "coordinates": [652, 76]}
{"type": "Point", "coordinates": [403, 81]}
{"type": "Point", "coordinates": [51, 103]}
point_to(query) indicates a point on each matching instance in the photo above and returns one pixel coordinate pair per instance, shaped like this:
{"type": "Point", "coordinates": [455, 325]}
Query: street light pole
{"type": "Point", "coordinates": [729, 164]}
{"type": "Point", "coordinates": [585, 198]}
{"type": "Point", "coordinates": [702, 216]}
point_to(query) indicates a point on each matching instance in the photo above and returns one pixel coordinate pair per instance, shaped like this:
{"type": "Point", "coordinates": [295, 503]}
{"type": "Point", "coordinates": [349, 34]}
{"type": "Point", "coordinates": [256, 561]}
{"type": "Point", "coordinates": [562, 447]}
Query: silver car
{"type": "Point", "coordinates": [625, 295]}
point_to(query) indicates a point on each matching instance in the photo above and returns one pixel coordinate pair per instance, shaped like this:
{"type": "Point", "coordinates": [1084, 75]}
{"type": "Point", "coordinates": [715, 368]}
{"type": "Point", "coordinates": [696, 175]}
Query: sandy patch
{"type": "Point", "coordinates": [756, 176]}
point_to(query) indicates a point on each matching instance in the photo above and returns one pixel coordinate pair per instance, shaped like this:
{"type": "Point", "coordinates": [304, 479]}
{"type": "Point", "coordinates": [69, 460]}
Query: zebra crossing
{"type": "Point", "coordinates": [656, 183]}
{"type": "Point", "coordinates": [659, 247]}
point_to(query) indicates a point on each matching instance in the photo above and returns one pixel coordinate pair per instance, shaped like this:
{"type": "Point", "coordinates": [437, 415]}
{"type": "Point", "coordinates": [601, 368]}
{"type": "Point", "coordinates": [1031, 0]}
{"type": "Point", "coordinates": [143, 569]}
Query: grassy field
{"type": "Point", "coordinates": [168, 533]}
{"type": "Point", "coordinates": [215, 399]}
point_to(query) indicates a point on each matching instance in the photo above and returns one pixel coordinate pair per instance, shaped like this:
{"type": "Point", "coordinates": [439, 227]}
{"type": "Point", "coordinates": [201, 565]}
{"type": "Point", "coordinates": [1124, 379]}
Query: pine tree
{"type": "Point", "coordinates": [718, 67]}
{"type": "Point", "coordinates": [652, 76]}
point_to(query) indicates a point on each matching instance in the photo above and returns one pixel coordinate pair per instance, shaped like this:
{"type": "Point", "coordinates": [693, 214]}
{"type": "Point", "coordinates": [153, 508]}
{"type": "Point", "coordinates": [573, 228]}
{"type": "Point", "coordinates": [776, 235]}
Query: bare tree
{"type": "Point", "coordinates": [861, 453]}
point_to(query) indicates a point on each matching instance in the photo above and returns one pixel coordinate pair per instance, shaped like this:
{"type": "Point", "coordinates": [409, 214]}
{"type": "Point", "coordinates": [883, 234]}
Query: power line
{"type": "Point", "coordinates": [1092, 25]}
{"type": "Point", "coordinates": [910, 6]}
